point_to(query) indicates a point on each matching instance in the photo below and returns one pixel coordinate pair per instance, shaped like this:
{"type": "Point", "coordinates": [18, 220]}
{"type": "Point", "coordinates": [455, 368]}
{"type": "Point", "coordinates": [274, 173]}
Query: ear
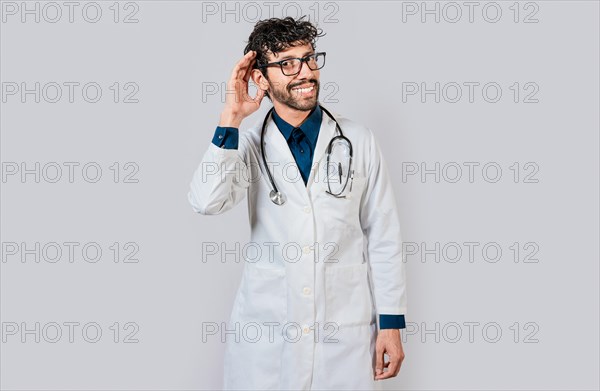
{"type": "Point", "coordinates": [259, 79]}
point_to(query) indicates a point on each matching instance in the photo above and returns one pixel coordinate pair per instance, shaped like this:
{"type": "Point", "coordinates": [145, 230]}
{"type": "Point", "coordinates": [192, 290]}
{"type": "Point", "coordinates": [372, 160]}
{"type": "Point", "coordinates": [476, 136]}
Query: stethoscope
{"type": "Point", "coordinates": [278, 197]}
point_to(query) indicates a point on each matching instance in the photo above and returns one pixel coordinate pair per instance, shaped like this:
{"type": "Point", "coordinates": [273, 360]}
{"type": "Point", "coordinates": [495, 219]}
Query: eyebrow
{"type": "Point", "coordinates": [304, 55]}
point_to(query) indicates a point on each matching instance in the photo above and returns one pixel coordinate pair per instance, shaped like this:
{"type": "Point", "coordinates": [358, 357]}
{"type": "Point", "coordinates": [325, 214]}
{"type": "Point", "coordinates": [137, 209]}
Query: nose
{"type": "Point", "coordinates": [305, 72]}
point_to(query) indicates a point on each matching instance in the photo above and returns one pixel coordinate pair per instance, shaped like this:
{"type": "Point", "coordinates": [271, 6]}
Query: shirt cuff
{"type": "Point", "coordinates": [226, 137]}
{"type": "Point", "coordinates": [391, 322]}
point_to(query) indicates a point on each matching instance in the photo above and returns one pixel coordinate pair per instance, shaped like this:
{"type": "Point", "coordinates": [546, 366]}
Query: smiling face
{"type": "Point", "coordinates": [299, 92]}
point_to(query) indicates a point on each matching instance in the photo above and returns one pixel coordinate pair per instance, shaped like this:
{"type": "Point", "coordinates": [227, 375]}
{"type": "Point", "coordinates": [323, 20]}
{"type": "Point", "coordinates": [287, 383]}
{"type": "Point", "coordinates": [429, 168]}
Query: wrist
{"type": "Point", "coordinates": [229, 119]}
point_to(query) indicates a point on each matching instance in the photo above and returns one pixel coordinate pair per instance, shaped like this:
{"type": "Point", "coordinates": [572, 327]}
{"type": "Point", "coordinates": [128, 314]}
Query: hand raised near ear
{"type": "Point", "coordinates": [238, 103]}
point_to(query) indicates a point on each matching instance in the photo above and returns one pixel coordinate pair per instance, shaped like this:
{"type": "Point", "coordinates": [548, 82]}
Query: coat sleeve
{"type": "Point", "coordinates": [221, 179]}
{"type": "Point", "coordinates": [381, 226]}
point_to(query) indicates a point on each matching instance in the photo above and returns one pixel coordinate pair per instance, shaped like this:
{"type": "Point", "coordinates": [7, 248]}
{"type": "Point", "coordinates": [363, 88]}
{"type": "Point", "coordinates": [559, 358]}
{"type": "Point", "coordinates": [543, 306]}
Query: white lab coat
{"type": "Point", "coordinates": [319, 269]}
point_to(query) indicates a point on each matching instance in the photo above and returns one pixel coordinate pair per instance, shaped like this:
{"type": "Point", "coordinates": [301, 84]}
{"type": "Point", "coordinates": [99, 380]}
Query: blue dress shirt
{"type": "Point", "coordinates": [303, 152]}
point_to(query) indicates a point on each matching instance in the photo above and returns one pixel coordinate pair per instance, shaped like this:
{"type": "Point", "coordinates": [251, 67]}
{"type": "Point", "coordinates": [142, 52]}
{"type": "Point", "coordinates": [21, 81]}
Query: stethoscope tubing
{"type": "Point", "coordinates": [276, 194]}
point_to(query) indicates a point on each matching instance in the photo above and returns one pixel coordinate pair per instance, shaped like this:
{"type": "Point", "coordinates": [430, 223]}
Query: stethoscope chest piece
{"type": "Point", "coordinates": [277, 197]}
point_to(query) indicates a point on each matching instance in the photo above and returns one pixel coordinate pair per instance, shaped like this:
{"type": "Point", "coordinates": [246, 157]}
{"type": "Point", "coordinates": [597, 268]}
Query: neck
{"type": "Point", "coordinates": [290, 115]}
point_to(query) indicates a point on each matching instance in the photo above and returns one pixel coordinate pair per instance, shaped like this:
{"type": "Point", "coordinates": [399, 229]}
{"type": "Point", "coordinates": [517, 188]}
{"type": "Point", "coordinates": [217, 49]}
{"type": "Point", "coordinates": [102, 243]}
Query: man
{"type": "Point", "coordinates": [326, 266]}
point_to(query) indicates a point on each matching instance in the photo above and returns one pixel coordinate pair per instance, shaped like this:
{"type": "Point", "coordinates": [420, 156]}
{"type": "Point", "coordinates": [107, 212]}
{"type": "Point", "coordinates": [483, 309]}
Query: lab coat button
{"type": "Point", "coordinates": [306, 291]}
{"type": "Point", "coordinates": [306, 249]}
{"type": "Point", "coordinates": [306, 329]}
{"type": "Point", "coordinates": [306, 209]}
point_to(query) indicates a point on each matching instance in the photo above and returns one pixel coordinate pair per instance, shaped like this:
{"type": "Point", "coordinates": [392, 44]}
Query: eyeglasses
{"type": "Point", "coordinates": [292, 66]}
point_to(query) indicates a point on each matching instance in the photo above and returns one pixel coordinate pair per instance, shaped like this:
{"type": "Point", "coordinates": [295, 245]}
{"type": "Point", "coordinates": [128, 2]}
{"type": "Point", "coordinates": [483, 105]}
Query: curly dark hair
{"type": "Point", "coordinates": [275, 35]}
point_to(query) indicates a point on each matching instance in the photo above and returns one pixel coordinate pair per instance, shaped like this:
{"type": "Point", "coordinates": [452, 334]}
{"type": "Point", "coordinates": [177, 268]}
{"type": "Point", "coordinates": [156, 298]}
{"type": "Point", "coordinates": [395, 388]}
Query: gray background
{"type": "Point", "coordinates": [546, 309]}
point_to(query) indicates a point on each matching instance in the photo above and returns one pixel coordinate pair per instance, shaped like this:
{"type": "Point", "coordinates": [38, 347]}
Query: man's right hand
{"type": "Point", "coordinates": [238, 103]}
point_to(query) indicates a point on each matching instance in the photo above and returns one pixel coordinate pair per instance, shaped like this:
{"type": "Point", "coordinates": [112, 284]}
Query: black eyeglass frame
{"type": "Point", "coordinates": [302, 60]}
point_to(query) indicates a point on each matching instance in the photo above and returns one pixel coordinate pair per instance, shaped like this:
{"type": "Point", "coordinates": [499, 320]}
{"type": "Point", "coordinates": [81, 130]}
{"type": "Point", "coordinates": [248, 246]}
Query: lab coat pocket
{"type": "Point", "coordinates": [353, 190]}
{"type": "Point", "coordinates": [348, 300]}
{"type": "Point", "coordinates": [344, 211]}
{"type": "Point", "coordinates": [264, 295]}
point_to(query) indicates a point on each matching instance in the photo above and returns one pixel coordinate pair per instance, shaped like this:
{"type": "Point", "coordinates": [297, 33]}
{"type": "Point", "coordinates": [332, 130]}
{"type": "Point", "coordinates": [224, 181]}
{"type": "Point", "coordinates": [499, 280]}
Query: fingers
{"type": "Point", "coordinates": [237, 98]}
{"type": "Point", "coordinates": [260, 94]}
{"type": "Point", "coordinates": [396, 356]}
{"type": "Point", "coordinates": [378, 362]}
{"type": "Point", "coordinates": [249, 68]}
{"type": "Point", "coordinates": [393, 367]}
{"type": "Point", "coordinates": [400, 359]}
{"type": "Point", "coordinates": [241, 68]}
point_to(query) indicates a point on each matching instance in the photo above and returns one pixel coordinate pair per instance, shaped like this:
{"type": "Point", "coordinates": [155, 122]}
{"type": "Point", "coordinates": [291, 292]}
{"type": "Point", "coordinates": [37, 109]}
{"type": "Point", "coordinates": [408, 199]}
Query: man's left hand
{"type": "Point", "coordinates": [388, 342]}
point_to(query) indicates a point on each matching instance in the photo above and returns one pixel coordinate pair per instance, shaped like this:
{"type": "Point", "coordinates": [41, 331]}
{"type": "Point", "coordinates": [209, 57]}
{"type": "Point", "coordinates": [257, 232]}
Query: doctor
{"type": "Point", "coordinates": [323, 295]}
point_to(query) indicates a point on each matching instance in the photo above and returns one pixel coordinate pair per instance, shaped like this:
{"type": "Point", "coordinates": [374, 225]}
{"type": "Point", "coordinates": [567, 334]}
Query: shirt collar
{"type": "Point", "coordinates": [310, 126]}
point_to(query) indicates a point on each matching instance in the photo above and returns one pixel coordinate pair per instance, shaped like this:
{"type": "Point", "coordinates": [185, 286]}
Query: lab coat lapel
{"type": "Point", "coordinates": [326, 133]}
{"type": "Point", "coordinates": [280, 159]}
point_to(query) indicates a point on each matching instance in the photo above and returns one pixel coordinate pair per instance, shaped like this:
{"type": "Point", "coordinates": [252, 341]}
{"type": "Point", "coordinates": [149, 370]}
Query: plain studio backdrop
{"type": "Point", "coordinates": [487, 116]}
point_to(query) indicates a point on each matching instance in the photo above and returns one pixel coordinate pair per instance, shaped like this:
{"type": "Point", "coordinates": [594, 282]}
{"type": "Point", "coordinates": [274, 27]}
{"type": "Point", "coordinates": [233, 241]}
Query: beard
{"type": "Point", "coordinates": [295, 100]}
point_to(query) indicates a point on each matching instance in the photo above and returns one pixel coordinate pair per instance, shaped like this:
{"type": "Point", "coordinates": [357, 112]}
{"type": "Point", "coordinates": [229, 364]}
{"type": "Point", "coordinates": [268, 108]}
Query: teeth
{"type": "Point", "coordinates": [303, 90]}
